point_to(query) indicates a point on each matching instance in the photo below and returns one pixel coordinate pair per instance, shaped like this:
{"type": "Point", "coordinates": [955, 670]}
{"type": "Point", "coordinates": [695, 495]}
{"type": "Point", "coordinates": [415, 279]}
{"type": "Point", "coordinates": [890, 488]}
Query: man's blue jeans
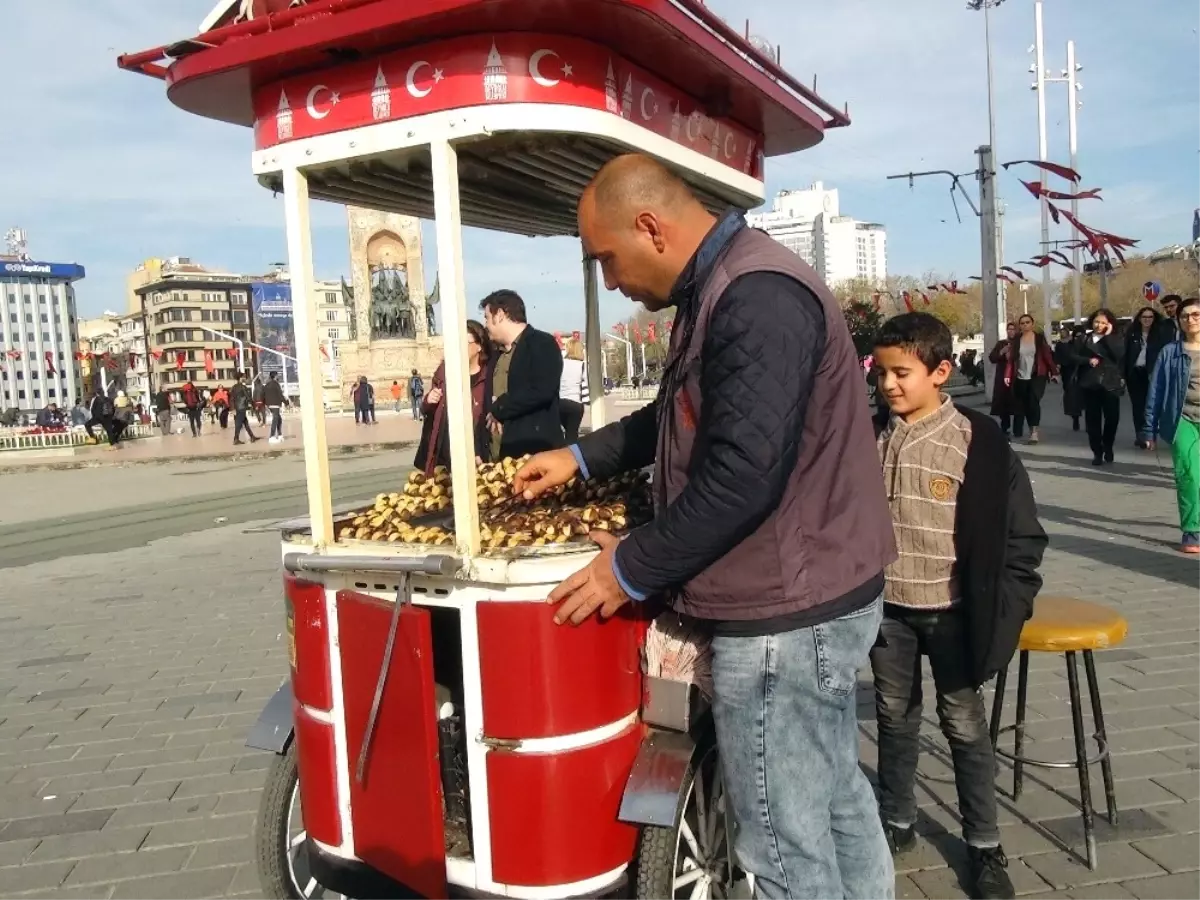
{"type": "Point", "coordinates": [784, 704]}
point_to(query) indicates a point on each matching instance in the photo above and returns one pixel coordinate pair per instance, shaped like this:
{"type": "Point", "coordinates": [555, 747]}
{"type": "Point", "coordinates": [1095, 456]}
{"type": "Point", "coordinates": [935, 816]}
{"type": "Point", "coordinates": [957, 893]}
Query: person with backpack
{"type": "Point", "coordinates": [242, 401]}
{"type": "Point", "coordinates": [416, 393]}
{"type": "Point", "coordinates": [102, 415]}
{"type": "Point", "coordinates": [193, 405]}
{"type": "Point", "coordinates": [162, 410]}
{"type": "Point", "coordinates": [258, 396]}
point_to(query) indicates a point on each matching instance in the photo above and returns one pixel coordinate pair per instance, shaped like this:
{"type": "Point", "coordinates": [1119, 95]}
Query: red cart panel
{"type": "Point", "coordinates": [308, 642]}
{"type": "Point", "coordinates": [397, 810]}
{"type": "Point", "coordinates": [318, 777]}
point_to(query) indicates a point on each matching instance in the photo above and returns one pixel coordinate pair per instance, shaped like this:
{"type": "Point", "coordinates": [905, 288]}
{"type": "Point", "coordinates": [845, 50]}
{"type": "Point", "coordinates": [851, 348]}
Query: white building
{"type": "Point", "coordinates": [38, 333]}
{"type": "Point", "coordinates": [810, 224]}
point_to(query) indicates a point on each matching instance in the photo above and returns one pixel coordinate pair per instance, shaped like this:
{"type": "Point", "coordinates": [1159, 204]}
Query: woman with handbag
{"type": "Point", "coordinates": [1030, 365]}
{"type": "Point", "coordinates": [1101, 361]}
{"type": "Point", "coordinates": [434, 449]}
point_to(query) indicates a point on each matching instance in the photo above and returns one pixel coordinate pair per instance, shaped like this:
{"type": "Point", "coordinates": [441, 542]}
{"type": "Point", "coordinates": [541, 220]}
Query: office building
{"type": "Point", "coordinates": [810, 224]}
{"type": "Point", "coordinates": [198, 326]}
{"type": "Point", "coordinates": [38, 331]}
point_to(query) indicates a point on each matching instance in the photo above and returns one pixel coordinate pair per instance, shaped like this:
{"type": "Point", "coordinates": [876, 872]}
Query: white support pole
{"type": "Point", "coordinates": [1039, 46]}
{"type": "Point", "coordinates": [987, 37]}
{"type": "Point", "coordinates": [448, 228]}
{"type": "Point", "coordinates": [595, 343]}
{"type": "Point", "coordinates": [304, 314]}
{"type": "Point", "coordinates": [1073, 138]}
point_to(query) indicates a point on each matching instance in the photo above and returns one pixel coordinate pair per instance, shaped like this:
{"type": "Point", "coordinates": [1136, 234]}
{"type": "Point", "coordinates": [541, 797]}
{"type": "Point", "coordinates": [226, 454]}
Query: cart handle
{"type": "Point", "coordinates": [438, 564]}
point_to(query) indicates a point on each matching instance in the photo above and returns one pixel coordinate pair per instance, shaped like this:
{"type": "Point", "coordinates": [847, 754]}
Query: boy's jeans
{"type": "Point", "coordinates": [905, 637]}
{"type": "Point", "coordinates": [808, 823]}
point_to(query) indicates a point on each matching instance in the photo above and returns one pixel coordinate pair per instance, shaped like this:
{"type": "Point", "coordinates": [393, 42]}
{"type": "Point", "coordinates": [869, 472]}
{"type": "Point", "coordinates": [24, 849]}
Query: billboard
{"type": "Point", "coordinates": [272, 307]}
{"type": "Point", "coordinates": [20, 268]}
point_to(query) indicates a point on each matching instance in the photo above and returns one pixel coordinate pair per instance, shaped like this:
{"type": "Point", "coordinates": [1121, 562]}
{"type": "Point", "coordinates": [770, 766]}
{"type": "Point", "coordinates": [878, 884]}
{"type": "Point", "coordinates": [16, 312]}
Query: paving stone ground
{"type": "Point", "coordinates": [128, 682]}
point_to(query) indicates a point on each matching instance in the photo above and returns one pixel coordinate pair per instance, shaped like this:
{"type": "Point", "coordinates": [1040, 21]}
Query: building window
{"type": "Point", "coordinates": [37, 395]}
{"type": "Point", "coordinates": [331, 315]}
{"type": "Point", "coordinates": [51, 393]}
{"type": "Point", "coordinates": [239, 317]}
{"type": "Point", "coordinates": [175, 296]}
{"type": "Point", "coordinates": [191, 356]}
{"type": "Point", "coordinates": [331, 297]}
{"type": "Point", "coordinates": [21, 395]}
{"type": "Point", "coordinates": [335, 334]}
{"type": "Point", "coordinates": [237, 298]}
{"type": "Point", "coordinates": [29, 317]}
{"type": "Point", "coordinates": [206, 315]}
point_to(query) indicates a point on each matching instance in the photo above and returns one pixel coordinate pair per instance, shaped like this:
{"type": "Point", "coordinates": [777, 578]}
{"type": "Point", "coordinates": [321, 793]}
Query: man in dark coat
{"type": "Point", "coordinates": [524, 416]}
{"type": "Point", "coordinates": [771, 520]}
{"type": "Point", "coordinates": [1165, 330]}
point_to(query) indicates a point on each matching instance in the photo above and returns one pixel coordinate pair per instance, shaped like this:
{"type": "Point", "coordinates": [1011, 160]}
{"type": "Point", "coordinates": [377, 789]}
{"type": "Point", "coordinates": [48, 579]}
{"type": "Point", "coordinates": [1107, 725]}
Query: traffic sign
{"type": "Point", "coordinates": [1151, 290]}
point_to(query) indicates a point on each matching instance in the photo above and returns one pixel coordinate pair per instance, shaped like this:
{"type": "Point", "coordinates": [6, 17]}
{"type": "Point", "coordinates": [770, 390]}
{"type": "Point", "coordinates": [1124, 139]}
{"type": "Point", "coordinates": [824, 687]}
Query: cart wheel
{"type": "Point", "coordinates": [694, 859]}
{"type": "Point", "coordinates": [283, 871]}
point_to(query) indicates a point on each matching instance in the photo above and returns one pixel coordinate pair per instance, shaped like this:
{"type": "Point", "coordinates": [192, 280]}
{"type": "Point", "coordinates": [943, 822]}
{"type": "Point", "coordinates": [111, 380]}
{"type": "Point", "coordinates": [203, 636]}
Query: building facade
{"type": "Point", "coordinates": [199, 327]}
{"type": "Point", "coordinates": [38, 333]}
{"type": "Point", "coordinates": [810, 224]}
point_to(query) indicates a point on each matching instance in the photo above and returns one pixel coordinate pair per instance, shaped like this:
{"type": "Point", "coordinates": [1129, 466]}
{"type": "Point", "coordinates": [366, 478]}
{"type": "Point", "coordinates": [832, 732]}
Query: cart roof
{"type": "Point", "coordinates": [301, 69]}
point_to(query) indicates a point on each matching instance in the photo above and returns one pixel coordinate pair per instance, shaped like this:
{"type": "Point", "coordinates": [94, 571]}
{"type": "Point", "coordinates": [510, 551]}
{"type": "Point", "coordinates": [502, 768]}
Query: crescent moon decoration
{"type": "Point", "coordinates": [728, 152]}
{"type": "Point", "coordinates": [411, 84]}
{"type": "Point", "coordinates": [534, 61]}
{"type": "Point", "coordinates": [693, 125]}
{"type": "Point", "coordinates": [648, 92]}
{"type": "Point", "coordinates": [310, 101]}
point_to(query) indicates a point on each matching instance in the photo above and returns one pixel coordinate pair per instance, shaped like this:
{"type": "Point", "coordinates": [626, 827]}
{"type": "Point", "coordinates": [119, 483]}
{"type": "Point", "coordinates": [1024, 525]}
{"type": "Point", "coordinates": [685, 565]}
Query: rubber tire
{"type": "Point", "coordinates": [271, 828]}
{"type": "Point", "coordinates": [654, 866]}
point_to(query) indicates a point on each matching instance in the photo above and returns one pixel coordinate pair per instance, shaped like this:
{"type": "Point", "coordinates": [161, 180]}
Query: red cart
{"type": "Point", "coordinates": [438, 733]}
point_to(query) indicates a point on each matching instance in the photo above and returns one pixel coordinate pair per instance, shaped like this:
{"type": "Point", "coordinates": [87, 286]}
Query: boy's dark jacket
{"type": "Point", "coordinates": [997, 568]}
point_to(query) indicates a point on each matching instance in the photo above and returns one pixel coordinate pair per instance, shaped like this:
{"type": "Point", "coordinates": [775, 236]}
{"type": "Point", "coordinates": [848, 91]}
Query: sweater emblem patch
{"type": "Point", "coordinates": [940, 488]}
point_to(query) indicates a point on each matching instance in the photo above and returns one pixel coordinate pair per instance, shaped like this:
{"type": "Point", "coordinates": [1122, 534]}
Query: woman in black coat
{"type": "Point", "coordinates": [1003, 405]}
{"type": "Point", "coordinates": [1065, 353]}
{"type": "Point", "coordinates": [1137, 367]}
{"type": "Point", "coordinates": [1101, 361]}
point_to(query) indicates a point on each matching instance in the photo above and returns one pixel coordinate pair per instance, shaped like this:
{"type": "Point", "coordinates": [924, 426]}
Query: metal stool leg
{"type": "Point", "coordinates": [998, 705]}
{"type": "Point", "coordinates": [1110, 796]}
{"type": "Point", "coordinates": [1019, 730]}
{"type": "Point", "coordinates": [1081, 760]}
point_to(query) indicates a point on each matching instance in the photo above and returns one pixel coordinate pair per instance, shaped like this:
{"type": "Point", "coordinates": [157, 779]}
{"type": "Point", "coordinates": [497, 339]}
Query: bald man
{"type": "Point", "coordinates": [771, 526]}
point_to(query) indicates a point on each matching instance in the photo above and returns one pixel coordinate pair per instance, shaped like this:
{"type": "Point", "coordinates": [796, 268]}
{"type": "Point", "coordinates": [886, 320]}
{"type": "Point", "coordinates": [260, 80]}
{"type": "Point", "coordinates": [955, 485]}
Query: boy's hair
{"type": "Point", "coordinates": [924, 336]}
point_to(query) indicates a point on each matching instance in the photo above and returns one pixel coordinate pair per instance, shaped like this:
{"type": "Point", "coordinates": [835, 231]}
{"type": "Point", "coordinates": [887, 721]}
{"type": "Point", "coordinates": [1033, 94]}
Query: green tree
{"type": "Point", "coordinates": [864, 322]}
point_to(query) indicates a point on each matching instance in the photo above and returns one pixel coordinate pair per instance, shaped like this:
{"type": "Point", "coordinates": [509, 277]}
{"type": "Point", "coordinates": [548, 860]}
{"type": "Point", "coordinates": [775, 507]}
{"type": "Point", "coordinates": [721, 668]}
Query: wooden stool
{"type": "Point", "coordinates": [1065, 625]}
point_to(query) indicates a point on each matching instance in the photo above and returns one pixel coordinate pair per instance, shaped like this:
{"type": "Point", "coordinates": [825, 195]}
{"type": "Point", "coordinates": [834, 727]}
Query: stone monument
{"type": "Point", "coordinates": [390, 313]}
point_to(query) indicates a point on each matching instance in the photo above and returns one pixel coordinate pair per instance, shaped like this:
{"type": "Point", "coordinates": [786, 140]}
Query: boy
{"type": "Point", "coordinates": [970, 545]}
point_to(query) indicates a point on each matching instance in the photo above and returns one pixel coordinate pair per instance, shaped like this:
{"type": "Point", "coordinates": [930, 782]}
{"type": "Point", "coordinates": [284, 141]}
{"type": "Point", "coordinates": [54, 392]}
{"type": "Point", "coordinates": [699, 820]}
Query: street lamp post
{"type": "Point", "coordinates": [987, 6]}
{"type": "Point", "coordinates": [241, 345]}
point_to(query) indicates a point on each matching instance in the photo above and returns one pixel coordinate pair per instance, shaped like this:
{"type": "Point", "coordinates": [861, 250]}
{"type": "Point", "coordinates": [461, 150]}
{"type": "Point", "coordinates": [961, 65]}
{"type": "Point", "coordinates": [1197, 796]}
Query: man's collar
{"type": "Point", "coordinates": [724, 230]}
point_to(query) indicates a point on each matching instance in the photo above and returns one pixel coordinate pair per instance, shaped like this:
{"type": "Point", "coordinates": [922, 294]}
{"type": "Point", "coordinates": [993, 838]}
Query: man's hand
{"type": "Point", "coordinates": [544, 472]}
{"type": "Point", "coordinates": [1008, 382]}
{"type": "Point", "coordinates": [435, 395]}
{"type": "Point", "coordinates": [592, 588]}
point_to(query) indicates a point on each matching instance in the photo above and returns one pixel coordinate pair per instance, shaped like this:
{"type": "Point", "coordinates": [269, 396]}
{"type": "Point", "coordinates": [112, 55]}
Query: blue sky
{"type": "Point", "coordinates": [100, 169]}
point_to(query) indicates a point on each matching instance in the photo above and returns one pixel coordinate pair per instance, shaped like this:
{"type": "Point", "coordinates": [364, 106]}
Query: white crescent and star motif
{"type": "Point", "coordinates": [649, 92]}
{"type": "Point", "coordinates": [728, 138]}
{"type": "Point", "coordinates": [535, 60]}
{"type": "Point", "coordinates": [410, 83]}
{"type": "Point", "coordinates": [311, 101]}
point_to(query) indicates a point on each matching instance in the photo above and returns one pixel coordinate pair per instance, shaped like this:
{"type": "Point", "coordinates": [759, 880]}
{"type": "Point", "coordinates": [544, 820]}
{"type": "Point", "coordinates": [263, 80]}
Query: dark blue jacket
{"type": "Point", "coordinates": [1168, 387]}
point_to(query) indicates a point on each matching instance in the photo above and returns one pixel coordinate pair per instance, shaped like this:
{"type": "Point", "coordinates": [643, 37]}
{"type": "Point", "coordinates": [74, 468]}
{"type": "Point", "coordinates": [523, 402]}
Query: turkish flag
{"type": "Point", "coordinates": [78, 355]}
{"type": "Point", "coordinates": [324, 352]}
{"type": "Point", "coordinates": [907, 297]}
{"type": "Point", "coordinates": [50, 363]}
{"type": "Point", "coordinates": [157, 354]}
{"type": "Point", "coordinates": [637, 334]}
{"type": "Point", "coordinates": [179, 359]}
{"type": "Point", "coordinates": [14, 354]}
{"type": "Point", "coordinates": [209, 365]}
{"type": "Point", "coordinates": [651, 333]}
{"type": "Point", "coordinates": [133, 360]}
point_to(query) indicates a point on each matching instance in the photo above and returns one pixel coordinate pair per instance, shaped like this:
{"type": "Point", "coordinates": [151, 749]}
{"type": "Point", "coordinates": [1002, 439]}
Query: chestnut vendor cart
{"type": "Point", "coordinates": [438, 731]}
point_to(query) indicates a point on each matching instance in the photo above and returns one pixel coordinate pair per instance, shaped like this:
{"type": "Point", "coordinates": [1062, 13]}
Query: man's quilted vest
{"type": "Point", "coordinates": [832, 530]}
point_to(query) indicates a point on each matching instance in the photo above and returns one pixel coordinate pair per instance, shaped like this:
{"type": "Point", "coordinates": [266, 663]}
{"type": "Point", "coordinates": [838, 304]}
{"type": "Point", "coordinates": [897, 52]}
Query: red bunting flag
{"type": "Point", "coordinates": [1016, 272]}
{"type": "Point", "coordinates": [157, 354]}
{"type": "Point", "coordinates": [924, 296]}
{"type": "Point", "coordinates": [209, 365]}
{"type": "Point", "coordinates": [110, 363]}
{"type": "Point", "coordinates": [953, 288]}
{"type": "Point", "coordinates": [133, 360]}
{"type": "Point", "coordinates": [1062, 171]}
{"type": "Point", "coordinates": [1038, 191]}
{"type": "Point", "coordinates": [324, 352]}
{"type": "Point", "coordinates": [1061, 259]}
{"type": "Point", "coordinates": [651, 333]}
{"type": "Point", "coordinates": [907, 298]}
{"type": "Point", "coordinates": [637, 334]}
{"type": "Point", "coordinates": [50, 370]}
{"type": "Point", "coordinates": [179, 359]}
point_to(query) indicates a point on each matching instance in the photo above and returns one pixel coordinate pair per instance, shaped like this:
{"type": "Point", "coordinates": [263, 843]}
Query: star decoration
{"type": "Point", "coordinates": [334, 98]}
{"type": "Point", "coordinates": [438, 75]}
{"type": "Point", "coordinates": [568, 70]}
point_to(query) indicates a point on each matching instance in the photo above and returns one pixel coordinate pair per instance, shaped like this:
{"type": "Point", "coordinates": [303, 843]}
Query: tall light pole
{"type": "Point", "coordinates": [1073, 137]}
{"type": "Point", "coordinates": [987, 6]}
{"type": "Point", "coordinates": [1039, 69]}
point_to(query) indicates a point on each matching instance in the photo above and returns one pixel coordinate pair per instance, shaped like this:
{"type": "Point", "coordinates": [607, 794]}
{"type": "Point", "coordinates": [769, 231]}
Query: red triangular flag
{"type": "Point", "coordinates": [324, 352]}
{"type": "Point", "coordinates": [907, 298]}
{"type": "Point", "coordinates": [179, 359]}
{"type": "Point", "coordinates": [50, 370]}
{"type": "Point", "coordinates": [209, 365]}
{"type": "Point", "coordinates": [1062, 171]}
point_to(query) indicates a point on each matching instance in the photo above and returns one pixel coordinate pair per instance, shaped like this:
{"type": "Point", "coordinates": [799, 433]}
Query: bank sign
{"type": "Point", "coordinates": [41, 270]}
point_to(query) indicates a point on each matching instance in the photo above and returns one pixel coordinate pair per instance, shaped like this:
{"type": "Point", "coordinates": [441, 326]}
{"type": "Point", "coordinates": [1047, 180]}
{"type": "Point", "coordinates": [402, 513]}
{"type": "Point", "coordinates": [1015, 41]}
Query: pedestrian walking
{"type": "Point", "coordinates": [364, 401]}
{"type": "Point", "coordinates": [1030, 366]}
{"type": "Point", "coordinates": [772, 522]}
{"type": "Point", "coordinates": [122, 418]}
{"type": "Point", "coordinates": [257, 397]}
{"type": "Point", "coordinates": [1066, 351]}
{"type": "Point", "coordinates": [242, 400]}
{"type": "Point", "coordinates": [416, 394]}
{"type": "Point", "coordinates": [1173, 413]}
{"type": "Point", "coordinates": [193, 404]}
{"type": "Point", "coordinates": [162, 410]}
{"type": "Point", "coordinates": [1137, 366]}
{"type": "Point", "coordinates": [1003, 404]}
{"type": "Point", "coordinates": [102, 413]}
{"type": "Point", "coordinates": [959, 593]}
{"type": "Point", "coordinates": [220, 401]}
{"type": "Point", "coordinates": [396, 395]}
{"type": "Point", "coordinates": [572, 389]}
{"type": "Point", "coordinates": [1165, 330]}
{"type": "Point", "coordinates": [1101, 362]}
{"type": "Point", "coordinates": [274, 401]}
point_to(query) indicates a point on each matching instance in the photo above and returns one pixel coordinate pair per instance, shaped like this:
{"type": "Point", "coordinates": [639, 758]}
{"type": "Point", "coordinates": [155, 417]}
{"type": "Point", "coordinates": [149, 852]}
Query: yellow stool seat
{"type": "Point", "coordinates": [1060, 624]}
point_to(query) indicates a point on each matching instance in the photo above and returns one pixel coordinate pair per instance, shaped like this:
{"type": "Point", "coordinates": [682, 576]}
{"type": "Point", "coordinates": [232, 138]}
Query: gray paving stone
{"type": "Point", "coordinates": [1108, 891]}
{"type": "Point", "coordinates": [46, 826]}
{"type": "Point", "coordinates": [1116, 862]}
{"type": "Point", "coordinates": [219, 784]}
{"type": "Point", "coordinates": [196, 831]}
{"type": "Point", "coordinates": [96, 843]}
{"type": "Point", "coordinates": [92, 892]}
{"type": "Point", "coordinates": [35, 876]}
{"type": "Point", "coordinates": [43, 661]}
{"type": "Point", "coordinates": [125, 866]}
{"type": "Point", "coordinates": [65, 693]}
{"type": "Point", "coordinates": [156, 812]}
{"type": "Point", "coordinates": [198, 884]}
{"type": "Point", "coordinates": [41, 772]}
{"type": "Point", "coordinates": [1176, 853]}
{"type": "Point", "coordinates": [13, 853]}
{"type": "Point", "coordinates": [1169, 887]}
{"type": "Point", "coordinates": [243, 801]}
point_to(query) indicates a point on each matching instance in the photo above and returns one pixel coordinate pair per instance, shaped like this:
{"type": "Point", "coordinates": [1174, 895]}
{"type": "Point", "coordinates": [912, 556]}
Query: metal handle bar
{"type": "Point", "coordinates": [438, 564]}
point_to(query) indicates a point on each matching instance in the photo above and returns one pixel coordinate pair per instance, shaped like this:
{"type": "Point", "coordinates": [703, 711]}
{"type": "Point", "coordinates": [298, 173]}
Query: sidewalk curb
{"type": "Point", "coordinates": [115, 460]}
